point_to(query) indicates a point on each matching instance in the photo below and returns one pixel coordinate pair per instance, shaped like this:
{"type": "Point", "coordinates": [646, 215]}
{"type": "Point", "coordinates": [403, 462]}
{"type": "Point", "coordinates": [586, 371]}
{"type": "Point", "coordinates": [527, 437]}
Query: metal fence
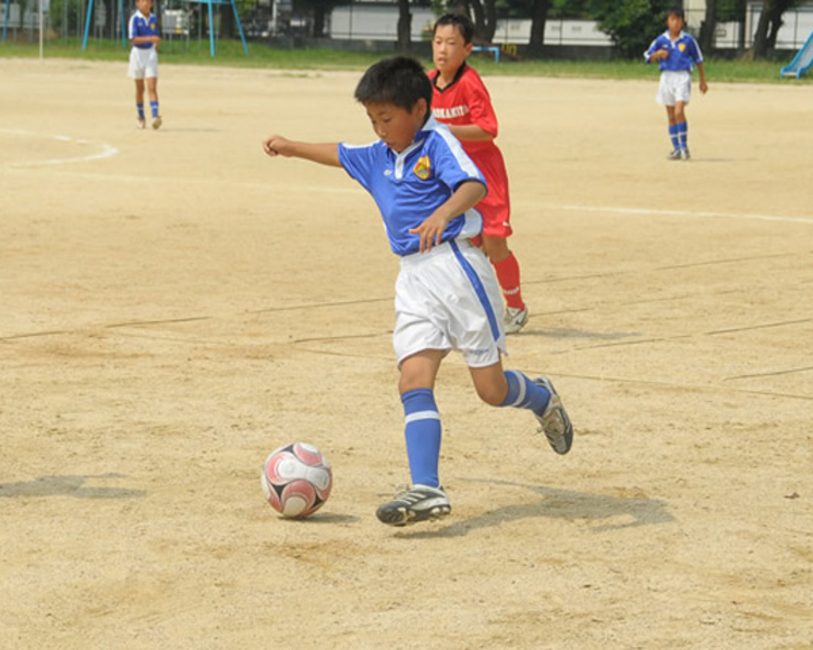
{"type": "Point", "coordinates": [65, 19]}
{"type": "Point", "coordinates": [797, 25]}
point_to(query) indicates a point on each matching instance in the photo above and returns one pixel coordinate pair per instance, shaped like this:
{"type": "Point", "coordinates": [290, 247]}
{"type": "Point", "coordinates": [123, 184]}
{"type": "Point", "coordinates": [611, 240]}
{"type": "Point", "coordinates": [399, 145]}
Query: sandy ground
{"type": "Point", "coordinates": [175, 305]}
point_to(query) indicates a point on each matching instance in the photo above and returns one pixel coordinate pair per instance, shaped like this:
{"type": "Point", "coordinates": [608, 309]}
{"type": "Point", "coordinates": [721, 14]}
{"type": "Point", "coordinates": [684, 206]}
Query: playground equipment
{"type": "Point", "coordinates": [801, 62]}
{"type": "Point", "coordinates": [209, 3]}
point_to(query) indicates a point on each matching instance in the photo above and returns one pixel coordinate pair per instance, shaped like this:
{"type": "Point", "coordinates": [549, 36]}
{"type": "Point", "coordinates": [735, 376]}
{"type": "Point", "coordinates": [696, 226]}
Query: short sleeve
{"type": "Point", "coordinates": [697, 56]}
{"type": "Point", "coordinates": [358, 162]}
{"type": "Point", "coordinates": [652, 47]}
{"type": "Point", "coordinates": [481, 112]}
{"type": "Point", "coordinates": [452, 165]}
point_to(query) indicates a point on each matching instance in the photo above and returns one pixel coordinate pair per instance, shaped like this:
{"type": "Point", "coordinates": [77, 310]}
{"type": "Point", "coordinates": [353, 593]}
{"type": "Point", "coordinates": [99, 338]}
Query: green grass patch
{"type": "Point", "coordinates": [231, 53]}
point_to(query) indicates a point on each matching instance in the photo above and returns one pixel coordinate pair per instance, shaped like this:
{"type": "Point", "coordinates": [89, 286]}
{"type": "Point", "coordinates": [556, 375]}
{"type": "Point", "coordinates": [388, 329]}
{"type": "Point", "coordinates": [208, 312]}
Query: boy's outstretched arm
{"type": "Point", "coordinates": [322, 153]}
{"type": "Point", "coordinates": [466, 196]}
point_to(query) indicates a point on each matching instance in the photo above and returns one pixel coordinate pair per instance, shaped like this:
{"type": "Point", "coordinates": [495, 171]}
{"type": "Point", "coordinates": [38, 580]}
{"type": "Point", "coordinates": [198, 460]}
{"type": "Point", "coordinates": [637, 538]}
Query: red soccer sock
{"type": "Point", "coordinates": [508, 277]}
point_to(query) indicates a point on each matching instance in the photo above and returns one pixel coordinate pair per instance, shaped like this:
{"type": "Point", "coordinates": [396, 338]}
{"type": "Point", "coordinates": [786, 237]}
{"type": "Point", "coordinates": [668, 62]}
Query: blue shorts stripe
{"type": "Point", "coordinates": [479, 289]}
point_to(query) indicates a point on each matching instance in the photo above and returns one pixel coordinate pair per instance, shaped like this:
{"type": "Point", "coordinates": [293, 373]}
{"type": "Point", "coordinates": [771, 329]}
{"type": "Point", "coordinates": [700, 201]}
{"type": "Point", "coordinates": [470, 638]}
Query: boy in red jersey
{"type": "Point", "coordinates": [460, 100]}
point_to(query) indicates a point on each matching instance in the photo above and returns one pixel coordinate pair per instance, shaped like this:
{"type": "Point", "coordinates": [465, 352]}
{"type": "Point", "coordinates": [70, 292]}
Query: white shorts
{"type": "Point", "coordinates": [449, 299]}
{"type": "Point", "coordinates": [675, 86]}
{"type": "Point", "coordinates": [143, 63]}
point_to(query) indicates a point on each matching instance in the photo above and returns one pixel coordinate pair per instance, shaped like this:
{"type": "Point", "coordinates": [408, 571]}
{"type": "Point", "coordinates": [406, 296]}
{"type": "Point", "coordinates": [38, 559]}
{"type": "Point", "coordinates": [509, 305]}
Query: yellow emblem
{"type": "Point", "coordinates": [422, 168]}
{"type": "Point", "coordinates": [682, 47]}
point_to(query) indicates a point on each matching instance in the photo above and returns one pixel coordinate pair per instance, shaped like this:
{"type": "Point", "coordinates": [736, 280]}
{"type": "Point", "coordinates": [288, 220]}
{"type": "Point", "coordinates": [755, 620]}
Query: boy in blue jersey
{"type": "Point", "coordinates": [677, 52]}
{"type": "Point", "coordinates": [145, 39]}
{"type": "Point", "coordinates": [447, 296]}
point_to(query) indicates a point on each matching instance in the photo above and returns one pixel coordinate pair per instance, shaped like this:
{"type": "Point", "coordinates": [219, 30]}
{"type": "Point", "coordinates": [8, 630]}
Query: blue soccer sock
{"type": "Point", "coordinates": [140, 109]}
{"type": "Point", "coordinates": [154, 108]}
{"type": "Point", "coordinates": [683, 134]}
{"type": "Point", "coordinates": [673, 136]}
{"type": "Point", "coordinates": [523, 393]}
{"type": "Point", "coordinates": [423, 432]}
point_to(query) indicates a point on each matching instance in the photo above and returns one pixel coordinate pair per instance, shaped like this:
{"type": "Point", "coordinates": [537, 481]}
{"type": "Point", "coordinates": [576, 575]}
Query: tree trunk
{"type": "Point", "coordinates": [708, 26]}
{"type": "Point", "coordinates": [479, 19]}
{"type": "Point", "coordinates": [227, 24]}
{"type": "Point", "coordinates": [539, 17]}
{"type": "Point", "coordinates": [318, 27]}
{"type": "Point", "coordinates": [404, 26]}
{"type": "Point", "coordinates": [485, 19]}
{"type": "Point", "coordinates": [770, 20]}
{"type": "Point", "coordinates": [776, 23]}
{"type": "Point", "coordinates": [491, 20]}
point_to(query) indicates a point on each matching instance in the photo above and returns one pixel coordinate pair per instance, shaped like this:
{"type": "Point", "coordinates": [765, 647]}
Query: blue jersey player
{"type": "Point", "coordinates": [446, 294]}
{"type": "Point", "coordinates": [677, 52]}
{"type": "Point", "coordinates": [145, 39]}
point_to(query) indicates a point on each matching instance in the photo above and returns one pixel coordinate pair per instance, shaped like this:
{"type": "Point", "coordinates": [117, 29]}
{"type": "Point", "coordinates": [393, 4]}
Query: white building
{"type": "Point", "coordinates": [377, 20]}
{"type": "Point", "coordinates": [797, 24]}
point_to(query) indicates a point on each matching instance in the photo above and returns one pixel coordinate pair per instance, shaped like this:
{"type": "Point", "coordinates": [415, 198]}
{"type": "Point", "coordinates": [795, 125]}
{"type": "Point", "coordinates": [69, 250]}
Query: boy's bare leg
{"type": "Point", "coordinates": [420, 370]}
{"type": "Point", "coordinates": [139, 97]}
{"type": "Point", "coordinates": [425, 498]}
{"type": "Point", "coordinates": [152, 91]}
{"type": "Point", "coordinates": [682, 129]}
{"type": "Point", "coordinates": [672, 118]}
{"type": "Point", "coordinates": [680, 112]}
{"type": "Point", "coordinates": [513, 388]}
{"type": "Point", "coordinates": [152, 88]}
{"type": "Point", "coordinates": [490, 383]}
{"type": "Point", "coordinates": [496, 248]}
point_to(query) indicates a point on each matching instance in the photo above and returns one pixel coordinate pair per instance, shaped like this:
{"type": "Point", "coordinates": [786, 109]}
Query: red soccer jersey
{"type": "Point", "coordinates": [466, 101]}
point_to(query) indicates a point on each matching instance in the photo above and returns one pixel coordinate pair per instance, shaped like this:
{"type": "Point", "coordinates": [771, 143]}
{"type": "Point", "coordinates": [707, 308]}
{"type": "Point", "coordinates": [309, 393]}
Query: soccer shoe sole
{"type": "Point", "coordinates": [555, 416]}
{"type": "Point", "coordinates": [398, 513]}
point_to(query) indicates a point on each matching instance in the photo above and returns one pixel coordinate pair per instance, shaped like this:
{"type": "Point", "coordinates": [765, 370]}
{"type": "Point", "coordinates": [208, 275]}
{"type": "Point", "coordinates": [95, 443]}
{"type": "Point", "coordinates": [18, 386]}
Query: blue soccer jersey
{"type": "Point", "coordinates": [683, 52]}
{"type": "Point", "coordinates": [409, 186]}
{"type": "Point", "coordinates": [141, 25]}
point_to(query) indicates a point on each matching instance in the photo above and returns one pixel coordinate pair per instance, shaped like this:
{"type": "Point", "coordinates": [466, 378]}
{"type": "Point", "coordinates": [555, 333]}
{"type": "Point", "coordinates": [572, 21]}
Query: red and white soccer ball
{"type": "Point", "coordinates": [297, 479]}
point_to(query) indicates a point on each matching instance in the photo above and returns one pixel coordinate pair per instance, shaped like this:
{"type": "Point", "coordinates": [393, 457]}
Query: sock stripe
{"type": "Point", "coordinates": [522, 388]}
{"type": "Point", "coordinates": [421, 415]}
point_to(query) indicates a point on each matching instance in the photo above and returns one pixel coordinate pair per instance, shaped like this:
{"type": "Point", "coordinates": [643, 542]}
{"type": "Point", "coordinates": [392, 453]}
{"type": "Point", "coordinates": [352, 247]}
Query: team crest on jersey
{"type": "Point", "coordinates": [682, 47]}
{"type": "Point", "coordinates": [422, 168]}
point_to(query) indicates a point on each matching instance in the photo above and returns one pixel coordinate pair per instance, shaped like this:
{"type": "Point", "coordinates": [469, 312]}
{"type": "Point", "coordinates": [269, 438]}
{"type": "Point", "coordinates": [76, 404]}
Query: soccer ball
{"type": "Point", "coordinates": [297, 479]}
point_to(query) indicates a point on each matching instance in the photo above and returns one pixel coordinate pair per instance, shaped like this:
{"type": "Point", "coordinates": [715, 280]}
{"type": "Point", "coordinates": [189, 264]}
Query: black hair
{"type": "Point", "coordinates": [398, 80]}
{"type": "Point", "coordinates": [676, 11]}
{"type": "Point", "coordinates": [461, 21]}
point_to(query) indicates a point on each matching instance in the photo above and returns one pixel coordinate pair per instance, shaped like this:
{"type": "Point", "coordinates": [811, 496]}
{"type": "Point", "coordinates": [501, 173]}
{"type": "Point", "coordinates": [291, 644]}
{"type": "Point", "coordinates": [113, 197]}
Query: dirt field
{"type": "Point", "coordinates": [175, 305]}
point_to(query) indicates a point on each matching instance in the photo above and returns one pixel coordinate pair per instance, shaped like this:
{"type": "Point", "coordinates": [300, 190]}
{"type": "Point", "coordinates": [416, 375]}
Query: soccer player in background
{"type": "Point", "coordinates": [446, 295]}
{"type": "Point", "coordinates": [460, 100]}
{"type": "Point", "coordinates": [677, 52]}
{"type": "Point", "coordinates": [145, 39]}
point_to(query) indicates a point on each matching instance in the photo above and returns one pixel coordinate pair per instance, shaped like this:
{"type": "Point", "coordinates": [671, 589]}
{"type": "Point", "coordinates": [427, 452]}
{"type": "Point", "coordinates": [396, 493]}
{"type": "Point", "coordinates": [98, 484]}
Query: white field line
{"type": "Point", "coordinates": [106, 152]}
{"type": "Point", "coordinates": [683, 213]}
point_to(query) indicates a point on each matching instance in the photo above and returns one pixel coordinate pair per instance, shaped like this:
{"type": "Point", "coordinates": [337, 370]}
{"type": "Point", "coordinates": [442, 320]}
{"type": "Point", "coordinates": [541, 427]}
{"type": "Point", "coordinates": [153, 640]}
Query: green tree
{"type": "Point", "coordinates": [632, 24]}
{"type": "Point", "coordinates": [482, 12]}
{"type": "Point", "coordinates": [317, 11]}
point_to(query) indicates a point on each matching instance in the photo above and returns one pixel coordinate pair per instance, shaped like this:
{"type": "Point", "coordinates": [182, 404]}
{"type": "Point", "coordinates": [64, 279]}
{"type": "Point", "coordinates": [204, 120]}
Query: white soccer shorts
{"type": "Point", "coordinates": [449, 299]}
{"type": "Point", "coordinates": [143, 63]}
{"type": "Point", "coordinates": [675, 86]}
